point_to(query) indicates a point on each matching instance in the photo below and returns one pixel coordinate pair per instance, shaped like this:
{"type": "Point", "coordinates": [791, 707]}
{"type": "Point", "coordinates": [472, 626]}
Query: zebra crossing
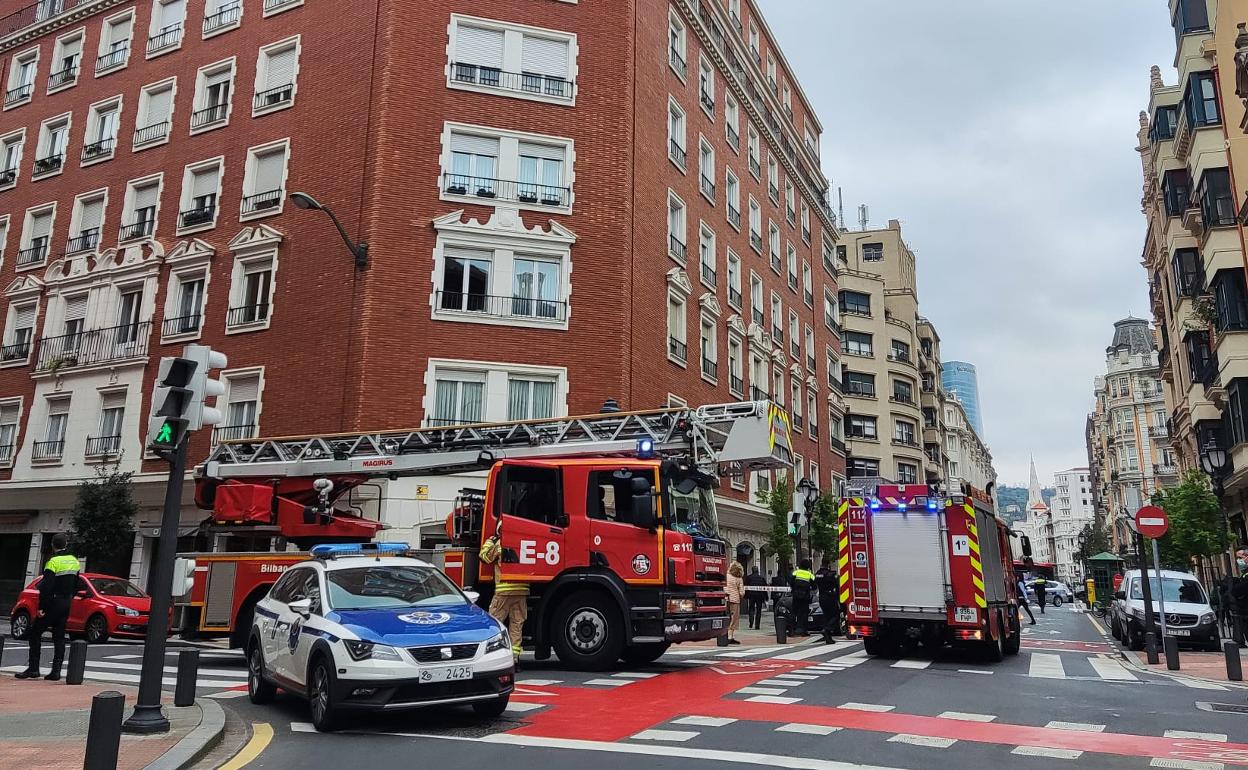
{"type": "Point", "coordinates": [221, 674]}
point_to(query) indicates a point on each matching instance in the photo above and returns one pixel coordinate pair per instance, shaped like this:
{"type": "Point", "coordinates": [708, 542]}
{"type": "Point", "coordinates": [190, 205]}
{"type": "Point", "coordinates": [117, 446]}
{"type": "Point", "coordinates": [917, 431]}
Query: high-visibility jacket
{"type": "Point", "coordinates": [803, 582]}
{"type": "Point", "coordinates": [60, 582]}
{"type": "Point", "coordinates": [492, 553]}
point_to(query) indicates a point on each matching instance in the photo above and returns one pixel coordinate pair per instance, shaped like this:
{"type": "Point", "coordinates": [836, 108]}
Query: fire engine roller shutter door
{"type": "Point", "coordinates": [990, 550]}
{"type": "Point", "coordinates": [909, 560]}
{"type": "Point", "coordinates": [219, 598]}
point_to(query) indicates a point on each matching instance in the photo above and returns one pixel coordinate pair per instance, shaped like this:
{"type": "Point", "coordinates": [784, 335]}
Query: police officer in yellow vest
{"type": "Point", "coordinates": [803, 584]}
{"type": "Point", "coordinates": [56, 594]}
{"type": "Point", "coordinates": [510, 605]}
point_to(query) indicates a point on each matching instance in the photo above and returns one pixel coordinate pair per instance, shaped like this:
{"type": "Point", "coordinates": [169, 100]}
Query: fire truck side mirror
{"type": "Point", "coordinates": [1026, 543]}
{"type": "Point", "coordinates": [643, 503]}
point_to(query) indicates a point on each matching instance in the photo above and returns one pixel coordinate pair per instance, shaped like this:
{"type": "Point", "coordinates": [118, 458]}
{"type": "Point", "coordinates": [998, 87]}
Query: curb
{"type": "Point", "coordinates": [198, 742]}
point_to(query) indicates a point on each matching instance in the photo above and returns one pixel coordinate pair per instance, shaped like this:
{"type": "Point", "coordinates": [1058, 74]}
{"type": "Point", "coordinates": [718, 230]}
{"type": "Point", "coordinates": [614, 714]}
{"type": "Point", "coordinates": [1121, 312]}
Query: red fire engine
{"type": "Point", "coordinates": [918, 566]}
{"type": "Point", "coordinates": [609, 518]}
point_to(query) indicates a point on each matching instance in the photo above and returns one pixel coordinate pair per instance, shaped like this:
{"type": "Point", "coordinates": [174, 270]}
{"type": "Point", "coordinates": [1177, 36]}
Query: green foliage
{"type": "Point", "coordinates": [1195, 521]}
{"type": "Point", "coordinates": [102, 522]}
{"type": "Point", "coordinates": [823, 528]}
{"type": "Point", "coordinates": [1095, 540]}
{"type": "Point", "coordinates": [779, 542]}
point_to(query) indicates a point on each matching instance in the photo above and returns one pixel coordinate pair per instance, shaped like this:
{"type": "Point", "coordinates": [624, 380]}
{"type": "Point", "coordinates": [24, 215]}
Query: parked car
{"type": "Point", "coordinates": [1189, 618]}
{"type": "Point", "coordinates": [1055, 593]}
{"type": "Point", "coordinates": [104, 606]}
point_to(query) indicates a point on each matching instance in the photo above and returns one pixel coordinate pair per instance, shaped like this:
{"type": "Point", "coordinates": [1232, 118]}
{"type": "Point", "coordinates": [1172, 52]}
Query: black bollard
{"type": "Point", "coordinates": [782, 624]}
{"type": "Point", "coordinates": [721, 641]}
{"type": "Point", "coordinates": [77, 662]}
{"type": "Point", "coordinates": [2, 638]}
{"type": "Point", "coordinates": [1234, 669]}
{"type": "Point", "coordinates": [1150, 648]}
{"type": "Point", "coordinates": [1171, 645]}
{"type": "Point", "coordinates": [104, 731]}
{"type": "Point", "coordinates": [188, 673]}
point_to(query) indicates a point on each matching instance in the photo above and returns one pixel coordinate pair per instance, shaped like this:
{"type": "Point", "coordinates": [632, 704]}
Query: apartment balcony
{"type": "Point", "coordinates": [35, 253]}
{"type": "Point", "coordinates": [734, 137]}
{"type": "Point", "coordinates": [1158, 431]}
{"type": "Point", "coordinates": [901, 358]}
{"type": "Point", "coordinates": [18, 95]}
{"type": "Point", "coordinates": [906, 442]}
{"type": "Point", "coordinates": [262, 201]}
{"type": "Point", "coordinates": [677, 349]}
{"type": "Point", "coordinates": [734, 216]}
{"type": "Point", "coordinates": [734, 297]}
{"type": "Point", "coordinates": [273, 97]}
{"type": "Point", "coordinates": [186, 324]}
{"type": "Point", "coordinates": [225, 16]}
{"type": "Point", "coordinates": [756, 168]}
{"type": "Point", "coordinates": [63, 77]}
{"type": "Point", "coordinates": [758, 394]}
{"type": "Point", "coordinates": [93, 347]}
{"type": "Point", "coordinates": [137, 230]}
{"type": "Point", "coordinates": [710, 369]}
{"type": "Point", "coordinates": [213, 113]}
{"type": "Point", "coordinates": [197, 216]}
{"type": "Point", "coordinates": [150, 134]}
{"type": "Point", "coordinates": [756, 316]}
{"type": "Point", "coordinates": [1166, 470]}
{"type": "Point", "coordinates": [736, 384]}
{"type": "Point", "coordinates": [837, 444]}
{"type": "Point", "coordinates": [678, 62]}
{"type": "Point", "coordinates": [84, 241]}
{"type": "Point", "coordinates": [273, 5]}
{"type": "Point", "coordinates": [756, 242]}
{"type": "Point", "coordinates": [707, 186]}
{"type": "Point", "coordinates": [529, 193]}
{"type": "Point", "coordinates": [7, 177]}
{"type": "Point", "coordinates": [240, 432]}
{"type": "Point", "coordinates": [707, 101]}
{"type": "Point", "coordinates": [97, 150]}
{"type": "Point", "coordinates": [49, 163]}
{"type": "Point", "coordinates": [501, 306]}
{"type": "Point", "coordinates": [676, 248]}
{"type": "Point", "coordinates": [798, 421]}
{"type": "Point", "coordinates": [708, 275]}
{"type": "Point", "coordinates": [676, 153]}
{"type": "Point", "coordinates": [900, 399]}
{"type": "Point", "coordinates": [18, 351]}
{"type": "Point", "coordinates": [515, 82]}
{"type": "Point", "coordinates": [112, 60]}
{"type": "Point", "coordinates": [168, 37]}
{"type": "Point", "coordinates": [246, 315]}
{"type": "Point", "coordinates": [48, 451]}
{"type": "Point", "coordinates": [103, 446]}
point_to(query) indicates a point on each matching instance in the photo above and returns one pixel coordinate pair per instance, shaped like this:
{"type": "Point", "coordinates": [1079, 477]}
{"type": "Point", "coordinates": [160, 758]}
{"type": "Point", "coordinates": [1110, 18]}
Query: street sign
{"type": "Point", "coordinates": [1151, 521]}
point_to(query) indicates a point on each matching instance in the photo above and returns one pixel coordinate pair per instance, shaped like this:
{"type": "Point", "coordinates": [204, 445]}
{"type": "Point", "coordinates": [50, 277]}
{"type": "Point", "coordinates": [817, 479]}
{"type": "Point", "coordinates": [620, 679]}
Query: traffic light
{"type": "Point", "coordinates": [199, 413]}
{"type": "Point", "coordinates": [171, 400]}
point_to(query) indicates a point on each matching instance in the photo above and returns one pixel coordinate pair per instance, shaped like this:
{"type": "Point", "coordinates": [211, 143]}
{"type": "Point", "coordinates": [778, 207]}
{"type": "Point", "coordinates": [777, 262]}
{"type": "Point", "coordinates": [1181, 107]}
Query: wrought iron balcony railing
{"type": "Point", "coordinates": [93, 346]}
{"type": "Point", "coordinates": [224, 17]}
{"type": "Point", "coordinates": [274, 97]}
{"type": "Point", "coordinates": [262, 201]}
{"type": "Point", "coordinates": [247, 315]}
{"type": "Point", "coordinates": [506, 190]}
{"type": "Point", "coordinates": [518, 82]}
{"type": "Point", "coordinates": [113, 59]}
{"type": "Point", "coordinates": [502, 306]}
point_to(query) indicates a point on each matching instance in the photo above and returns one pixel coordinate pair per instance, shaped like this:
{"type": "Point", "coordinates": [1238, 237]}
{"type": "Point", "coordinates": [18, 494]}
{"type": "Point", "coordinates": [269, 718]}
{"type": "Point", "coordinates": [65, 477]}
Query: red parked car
{"type": "Point", "coordinates": [104, 606]}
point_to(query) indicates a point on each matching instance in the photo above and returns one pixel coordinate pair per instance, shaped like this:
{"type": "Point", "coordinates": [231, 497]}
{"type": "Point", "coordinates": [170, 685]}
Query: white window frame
{"type": "Point", "coordinates": [294, 42]}
{"type": "Point", "coordinates": [180, 275]}
{"type": "Point", "coordinates": [680, 333]}
{"type": "Point", "coordinates": [706, 71]}
{"type": "Point", "coordinates": [7, 139]}
{"type": "Point", "coordinates": [105, 23]}
{"type": "Point", "coordinates": [756, 218]}
{"type": "Point", "coordinates": [805, 223]}
{"type": "Point", "coordinates": [153, 32]}
{"type": "Point", "coordinates": [706, 168]}
{"type": "Point", "coordinates": [790, 260]}
{"type": "Point", "coordinates": [707, 247]}
{"type": "Point", "coordinates": [249, 180]}
{"type": "Point", "coordinates": [496, 375]}
{"type": "Point", "coordinates": [4, 237]}
{"type": "Point", "coordinates": [513, 36]}
{"type": "Point", "coordinates": [75, 217]}
{"type": "Point", "coordinates": [128, 210]}
{"type": "Point", "coordinates": [274, 7]}
{"type": "Point", "coordinates": [757, 292]}
{"type": "Point", "coordinates": [17, 59]}
{"type": "Point", "coordinates": [78, 35]}
{"type": "Point", "coordinates": [773, 179]}
{"type": "Point", "coordinates": [707, 322]}
{"type": "Point", "coordinates": [229, 377]}
{"type": "Point", "coordinates": [238, 289]}
{"type": "Point", "coordinates": [734, 278]}
{"type": "Point", "coordinates": [808, 285]}
{"type": "Point", "coordinates": [732, 198]}
{"type": "Point", "coordinates": [683, 238]}
{"type": "Point", "coordinates": [12, 401]}
{"type": "Point", "coordinates": [754, 153]}
{"type": "Point", "coordinates": [145, 94]}
{"type": "Point", "coordinates": [185, 199]}
{"type": "Point", "coordinates": [54, 401]}
{"type": "Point", "coordinates": [674, 109]}
{"type": "Point", "coordinates": [676, 24]}
{"type": "Point", "coordinates": [91, 129]}
{"type": "Point", "coordinates": [507, 166]}
{"type": "Point", "coordinates": [31, 213]}
{"type": "Point", "coordinates": [201, 94]}
{"type": "Point", "coordinates": [732, 121]}
{"type": "Point", "coordinates": [10, 330]}
{"type": "Point", "coordinates": [736, 364]}
{"type": "Point", "coordinates": [774, 257]}
{"type": "Point", "coordinates": [45, 130]}
{"type": "Point", "coordinates": [215, 7]}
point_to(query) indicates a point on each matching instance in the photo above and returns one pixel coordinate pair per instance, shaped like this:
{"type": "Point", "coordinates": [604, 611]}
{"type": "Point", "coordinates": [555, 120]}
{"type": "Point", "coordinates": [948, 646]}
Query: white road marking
{"type": "Point", "coordinates": [1081, 727]}
{"type": "Point", "coordinates": [779, 683]}
{"type": "Point", "coordinates": [762, 690]}
{"type": "Point", "coordinates": [609, 682]}
{"type": "Point", "coordinates": [777, 699]}
{"type": "Point", "coordinates": [539, 682]}
{"type": "Point", "coordinates": [866, 707]}
{"type": "Point", "coordinates": [975, 671]}
{"type": "Point", "coordinates": [1112, 669]}
{"type": "Point", "coordinates": [634, 675]}
{"type": "Point", "coordinates": [302, 727]}
{"type": "Point", "coordinates": [666, 735]}
{"type": "Point", "coordinates": [226, 694]}
{"type": "Point", "coordinates": [1044, 751]}
{"type": "Point", "coordinates": [1045, 666]}
{"type": "Point", "coordinates": [923, 740]}
{"type": "Point", "coordinates": [916, 664]}
{"type": "Point", "coordinates": [798, 677]}
{"type": "Point", "coordinates": [751, 651]}
{"type": "Point", "coordinates": [110, 676]}
{"type": "Point", "coordinates": [962, 716]}
{"type": "Point", "coordinates": [697, 651]}
{"type": "Point", "coordinates": [704, 721]}
{"type": "Point", "coordinates": [1197, 684]}
{"type": "Point", "coordinates": [813, 651]}
{"type": "Point", "coordinates": [1186, 764]}
{"type": "Point", "coordinates": [122, 657]}
{"type": "Point", "coordinates": [798, 727]}
{"type": "Point", "coordinates": [1219, 737]}
{"type": "Point", "coordinates": [520, 708]}
{"type": "Point", "coordinates": [236, 673]}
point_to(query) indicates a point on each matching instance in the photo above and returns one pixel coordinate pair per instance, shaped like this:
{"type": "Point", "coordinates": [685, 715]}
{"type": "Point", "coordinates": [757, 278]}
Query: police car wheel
{"type": "Point", "coordinates": [321, 697]}
{"type": "Point", "coordinates": [1057, 601]}
{"type": "Point", "coordinates": [588, 634]}
{"type": "Point", "coordinates": [19, 624]}
{"type": "Point", "coordinates": [491, 709]}
{"type": "Point", "coordinates": [96, 630]}
{"type": "Point", "coordinates": [259, 690]}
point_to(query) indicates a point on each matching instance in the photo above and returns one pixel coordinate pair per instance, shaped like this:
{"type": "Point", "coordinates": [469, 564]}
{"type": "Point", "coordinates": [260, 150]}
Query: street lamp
{"type": "Point", "coordinates": [1213, 463]}
{"type": "Point", "coordinates": [807, 495]}
{"type": "Point", "coordinates": [358, 250]}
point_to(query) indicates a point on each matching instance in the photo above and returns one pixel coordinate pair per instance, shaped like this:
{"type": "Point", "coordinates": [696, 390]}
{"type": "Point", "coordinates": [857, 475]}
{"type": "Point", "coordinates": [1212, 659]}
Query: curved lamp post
{"type": "Point", "coordinates": [358, 250]}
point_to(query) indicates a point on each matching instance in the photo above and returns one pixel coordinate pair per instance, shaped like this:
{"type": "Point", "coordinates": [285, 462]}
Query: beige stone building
{"type": "Point", "coordinates": [1190, 141]}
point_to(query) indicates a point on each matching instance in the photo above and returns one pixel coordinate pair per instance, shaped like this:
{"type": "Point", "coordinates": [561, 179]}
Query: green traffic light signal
{"type": "Point", "coordinates": [165, 436]}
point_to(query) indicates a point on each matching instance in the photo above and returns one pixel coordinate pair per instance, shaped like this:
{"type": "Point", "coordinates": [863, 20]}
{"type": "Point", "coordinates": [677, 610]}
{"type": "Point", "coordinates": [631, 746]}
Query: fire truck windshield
{"type": "Point", "coordinates": [692, 508]}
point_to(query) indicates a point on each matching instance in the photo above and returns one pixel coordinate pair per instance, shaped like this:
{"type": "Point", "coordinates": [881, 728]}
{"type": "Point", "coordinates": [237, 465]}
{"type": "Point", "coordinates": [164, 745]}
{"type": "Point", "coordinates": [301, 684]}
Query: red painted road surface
{"type": "Point", "coordinates": [616, 714]}
{"type": "Point", "coordinates": [1066, 645]}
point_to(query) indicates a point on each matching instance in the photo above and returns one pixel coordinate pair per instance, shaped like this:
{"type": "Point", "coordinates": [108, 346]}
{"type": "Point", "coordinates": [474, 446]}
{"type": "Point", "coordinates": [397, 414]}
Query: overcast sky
{"type": "Point", "coordinates": [1002, 136]}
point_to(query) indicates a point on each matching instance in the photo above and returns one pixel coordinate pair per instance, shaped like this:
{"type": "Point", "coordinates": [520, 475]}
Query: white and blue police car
{"type": "Point", "coordinates": [360, 627]}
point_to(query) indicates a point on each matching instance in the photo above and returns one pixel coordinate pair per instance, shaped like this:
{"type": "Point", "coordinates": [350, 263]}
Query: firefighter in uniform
{"type": "Point", "coordinates": [56, 594]}
{"type": "Point", "coordinates": [510, 605]}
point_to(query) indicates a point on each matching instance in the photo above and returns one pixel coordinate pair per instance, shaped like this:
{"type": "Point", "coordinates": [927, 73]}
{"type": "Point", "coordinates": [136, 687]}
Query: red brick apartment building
{"type": "Point", "coordinates": [563, 202]}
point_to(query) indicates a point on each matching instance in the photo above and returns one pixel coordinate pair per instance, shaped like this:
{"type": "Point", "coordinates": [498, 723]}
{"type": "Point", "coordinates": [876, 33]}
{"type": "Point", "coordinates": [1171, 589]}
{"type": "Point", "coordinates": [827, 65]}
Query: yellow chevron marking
{"type": "Point", "coordinates": [858, 501]}
{"type": "Point", "coordinates": [844, 597]}
{"type": "Point", "coordinates": [974, 545]}
{"type": "Point", "coordinates": [844, 544]}
{"type": "Point", "coordinates": [977, 566]}
{"type": "Point", "coordinates": [843, 562]}
{"type": "Point", "coordinates": [843, 508]}
{"type": "Point", "coordinates": [978, 583]}
{"type": "Point", "coordinates": [970, 509]}
{"type": "Point", "coordinates": [980, 601]}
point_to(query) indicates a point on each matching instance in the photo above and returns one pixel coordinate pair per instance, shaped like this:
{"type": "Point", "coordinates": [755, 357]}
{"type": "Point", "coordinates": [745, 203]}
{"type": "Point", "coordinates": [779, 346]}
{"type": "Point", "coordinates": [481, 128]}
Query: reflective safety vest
{"type": "Point", "coordinates": [60, 581]}
{"type": "Point", "coordinates": [492, 553]}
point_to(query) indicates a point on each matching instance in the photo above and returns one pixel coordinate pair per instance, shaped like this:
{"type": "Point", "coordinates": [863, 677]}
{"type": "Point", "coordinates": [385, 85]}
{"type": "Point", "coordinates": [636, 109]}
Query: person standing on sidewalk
{"type": "Point", "coordinates": [56, 594]}
{"type": "Point", "coordinates": [510, 605]}
{"type": "Point", "coordinates": [754, 600]}
{"type": "Point", "coordinates": [829, 604]}
{"type": "Point", "coordinates": [803, 584]}
{"type": "Point", "coordinates": [735, 588]}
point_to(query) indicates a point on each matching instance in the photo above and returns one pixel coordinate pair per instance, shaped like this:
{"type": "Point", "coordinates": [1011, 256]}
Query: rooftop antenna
{"type": "Point", "coordinates": [863, 219]}
{"type": "Point", "coordinates": [840, 207]}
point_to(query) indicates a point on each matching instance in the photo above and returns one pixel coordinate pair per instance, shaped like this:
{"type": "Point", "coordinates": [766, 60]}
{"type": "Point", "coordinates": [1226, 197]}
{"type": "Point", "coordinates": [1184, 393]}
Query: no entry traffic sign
{"type": "Point", "coordinates": [1151, 521]}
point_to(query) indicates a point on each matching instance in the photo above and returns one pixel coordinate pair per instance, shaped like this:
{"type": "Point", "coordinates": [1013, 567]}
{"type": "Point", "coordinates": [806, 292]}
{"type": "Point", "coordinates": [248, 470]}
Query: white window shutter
{"type": "Point", "coordinates": [477, 145]}
{"type": "Point", "coordinates": [76, 308]}
{"type": "Point", "coordinates": [544, 151]}
{"type": "Point", "coordinates": [270, 168]}
{"type": "Point", "coordinates": [482, 47]}
{"type": "Point", "coordinates": [172, 12]}
{"type": "Point", "coordinates": [8, 414]}
{"type": "Point", "coordinates": [145, 196]}
{"type": "Point", "coordinates": [158, 104]}
{"type": "Point", "coordinates": [220, 76]}
{"type": "Point", "coordinates": [543, 56]}
{"type": "Point", "coordinates": [244, 389]}
{"type": "Point", "coordinates": [92, 214]}
{"type": "Point", "coordinates": [204, 182]}
{"type": "Point", "coordinates": [114, 400]}
{"type": "Point", "coordinates": [41, 224]}
{"type": "Point", "coordinates": [280, 68]}
{"type": "Point", "coordinates": [456, 252]}
{"type": "Point", "coordinates": [24, 317]}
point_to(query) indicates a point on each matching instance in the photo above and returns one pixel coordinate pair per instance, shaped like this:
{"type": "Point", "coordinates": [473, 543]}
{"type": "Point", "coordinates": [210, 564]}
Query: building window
{"type": "Point", "coordinates": [53, 139]}
{"type": "Point", "coordinates": [530, 399]}
{"type": "Point", "coordinates": [1176, 190]}
{"type": "Point", "coordinates": [773, 245]}
{"type": "Point", "coordinates": [810, 348]}
{"type": "Point", "coordinates": [808, 285]}
{"type": "Point", "coordinates": [242, 406]}
{"type": "Point", "coordinates": [773, 180]}
{"type": "Point", "coordinates": [872, 252]}
{"type": "Point", "coordinates": [264, 181]}
{"type": "Point", "coordinates": [777, 319]}
{"type": "Point", "coordinates": [201, 185]}
{"type": "Point", "coordinates": [100, 142]}
{"type": "Point", "coordinates": [66, 61]}
{"type": "Point", "coordinates": [1200, 100]}
{"type": "Point", "coordinates": [52, 447]}
{"type": "Point", "coordinates": [795, 398]}
{"type": "Point", "coordinates": [791, 262]}
{"type": "Point", "coordinates": [736, 382]}
{"type": "Point", "coordinates": [907, 473]}
{"type": "Point", "coordinates": [777, 391]}
{"type": "Point", "coordinates": [795, 335]}
{"type": "Point", "coordinates": [1231, 300]}
{"type": "Point", "coordinates": [138, 219]}
{"type": "Point", "coordinates": [222, 16]}
{"type": "Point", "coordinates": [899, 351]}
{"type": "Point", "coordinates": [758, 379]}
{"type": "Point", "coordinates": [213, 88]}
{"type": "Point", "coordinates": [855, 303]}
{"type": "Point", "coordinates": [36, 236]}
{"type": "Point", "coordinates": [542, 66]}
{"type": "Point", "coordinates": [732, 121]}
{"type": "Point", "coordinates": [168, 20]}
{"type": "Point", "coordinates": [756, 300]}
{"type": "Point", "coordinates": [86, 222]}
{"type": "Point", "coordinates": [251, 294]}
{"type": "Point", "coordinates": [734, 280]}
{"type": "Point", "coordinates": [277, 70]}
{"type": "Point", "coordinates": [676, 134]}
{"type": "Point", "coordinates": [706, 169]}
{"type": "Point", "coordinates": [10, 415]}
{"type": "Point", "coordinates": [1190, 16]}
{"type": "Point", "coordinates": [754, 46]}
{"type": "Point", "coordinates": [115, 34]}
{"type": "Point", "coordinates": [831, 312]}
{"type": "Point", "coordinates": [756, 226]}
{"type": "Point", "coordinates": [706, 86]}
{"type": "Point", "coordinates": [676, 56]}
{"type": "Point", "coordinates": [676, 227]}
{"type": "Point", "coordinates": [184, 316]}
{"type": "Point", "coordinates": [1189, 273]}
{"type": "Point", "coordinates": [805, 223]}
{"type": "Point", "coordinates": [19, 333]}
{"type": "Point", "coordinates": [709, 350]}
{"type": "Point", "coordinates": [1217, 200]}
{"type": "Point", "coordinates": [107, 440]}
{"type": "Point", "coordinates": [903, 392]}
{"type": "Point", "coordinates": [860, 384]}
{"type": "Point", "coordinates": [857, 344]}
{"type": "Point", "coordinates": [756, 167]}
{"type": "Point", "coordinates": [706, 256]}
{"type": "Point", "coordinates": [1165, 121]}
{"type": "Point", "coordinates": [860, 467]}
{"type": "Point", "coordinates": [790, 202]}
{"type": "Point", "coordinates": [537, 168]}
{"type": "Point", "coordinates": [11, 158]}
{"type": "Point", "coordinates": [732, 199]}
{"type": "Point", "coordinates": [904, 432]}
{"type": "Point", "coordinates": [22, 73]}
{"type": "Point", "coordinates": [155, 114]}
{"type": "Point", "coordinates": [677, 347]}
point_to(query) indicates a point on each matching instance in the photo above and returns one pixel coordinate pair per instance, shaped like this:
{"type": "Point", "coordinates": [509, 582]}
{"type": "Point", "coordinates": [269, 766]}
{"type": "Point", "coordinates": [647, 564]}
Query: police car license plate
{"type": "Point", "coordinates": [445, 674]}
{"type": "Point", "coordinates": [1178, 632]}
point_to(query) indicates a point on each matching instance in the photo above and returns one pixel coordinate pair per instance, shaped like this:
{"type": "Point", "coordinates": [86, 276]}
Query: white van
{"type": "Point", "coordinates": [1189, 618]}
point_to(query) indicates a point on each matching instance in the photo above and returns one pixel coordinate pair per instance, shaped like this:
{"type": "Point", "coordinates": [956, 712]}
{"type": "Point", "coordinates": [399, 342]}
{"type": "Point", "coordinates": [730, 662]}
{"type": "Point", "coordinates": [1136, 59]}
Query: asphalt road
{"type": "Point", "coordinates": [1066, 701]}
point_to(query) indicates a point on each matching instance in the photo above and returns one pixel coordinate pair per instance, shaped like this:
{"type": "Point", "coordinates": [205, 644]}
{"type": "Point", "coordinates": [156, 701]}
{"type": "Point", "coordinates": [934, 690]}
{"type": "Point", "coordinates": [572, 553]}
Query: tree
{"type": "Point", "coordinates": [823, 527]}
{"type": "Point", "coordinates": [1095, 540]}
{"type": "Point", "coordinates": [102, 522]}
{"type": "Point", "coordinates": [1195, 521]}
{"type": "Point", "coordinates": [779, 542]}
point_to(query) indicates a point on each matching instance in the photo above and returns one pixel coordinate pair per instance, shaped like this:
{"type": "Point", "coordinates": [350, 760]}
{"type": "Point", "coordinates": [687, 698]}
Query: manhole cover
{"type": "Point", "coordinates": [1225, 708]}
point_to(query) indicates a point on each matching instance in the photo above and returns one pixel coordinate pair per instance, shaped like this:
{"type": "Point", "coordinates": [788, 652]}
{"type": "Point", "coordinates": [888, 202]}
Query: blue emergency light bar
{"type": "Point", "coordinates": [645, 448]}
{"type": "Point", "coordinates": [339, 550]}
{"type": "Point", "coordinates": [933, 504]}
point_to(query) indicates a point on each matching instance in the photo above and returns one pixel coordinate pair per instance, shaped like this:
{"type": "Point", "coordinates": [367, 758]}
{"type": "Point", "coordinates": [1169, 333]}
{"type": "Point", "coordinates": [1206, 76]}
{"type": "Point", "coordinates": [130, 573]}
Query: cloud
{"type": "Point", "coordinates": [1002, 135]}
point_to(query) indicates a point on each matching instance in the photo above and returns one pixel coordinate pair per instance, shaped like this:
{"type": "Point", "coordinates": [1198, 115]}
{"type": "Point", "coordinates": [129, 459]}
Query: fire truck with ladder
{"type": "Point", "coordinates": [918, 566]}
{"type": "Point", "coordinates": [609, 518]}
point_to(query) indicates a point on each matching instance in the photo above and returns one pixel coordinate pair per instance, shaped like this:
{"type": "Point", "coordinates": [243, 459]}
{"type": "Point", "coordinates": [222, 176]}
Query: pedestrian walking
{"type": "Point", "coordinates": [1021, 587]}
{"type": "Point", "coordinates": [1041, 587]}
{"type": "Point", "coordinates": [829, 601]}
{"type": "Point", "coordinates": [56, 594]}
{"type": "Point", "coordinates": [803, 584]}
{"type": "Point", "coordinates": [735, 588]}
{"type": "Point", "coordinates": [778, 581]}
{"type": "Point", "coordinates": [755, 599]}
{"type": "Point", "coordinates": [510, 605]}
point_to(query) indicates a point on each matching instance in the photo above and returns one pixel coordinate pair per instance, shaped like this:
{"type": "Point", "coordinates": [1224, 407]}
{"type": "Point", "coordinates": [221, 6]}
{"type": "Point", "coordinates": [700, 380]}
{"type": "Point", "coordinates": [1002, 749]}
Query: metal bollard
{"type": "Point", "coordinates": [1171, 645]}
{"type": "Point", "coordinates": [77, 662]}
{"type": "Point", "coordinates": [188, 673]}
{"type": "Point", "coordinates": [104, 731]}
{"type": "Point", "coordinates": [782, 625]}
{"type": "Point", "coordinates": [1150, 648]}
{"type": "Point", "coordinates": [721, 641]}
{"type": "Point", "coordinates": [2, 639]}
{"type": "Point", "coordinates": [1234, 669]}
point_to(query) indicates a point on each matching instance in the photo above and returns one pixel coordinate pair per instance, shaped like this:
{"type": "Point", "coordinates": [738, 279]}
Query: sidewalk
{"type": "Point", "coordinates": [765, 636]}
{"type": "Point", "coordinates": [1209, 666]}
{"type": "Point", "coordinates": [44, 725]}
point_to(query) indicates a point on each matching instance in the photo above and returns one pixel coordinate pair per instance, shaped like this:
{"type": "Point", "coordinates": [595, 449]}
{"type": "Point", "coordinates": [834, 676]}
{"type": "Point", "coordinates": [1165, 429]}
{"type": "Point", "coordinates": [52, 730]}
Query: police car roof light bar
{"type": "Point", "coordinates": [339, 550]}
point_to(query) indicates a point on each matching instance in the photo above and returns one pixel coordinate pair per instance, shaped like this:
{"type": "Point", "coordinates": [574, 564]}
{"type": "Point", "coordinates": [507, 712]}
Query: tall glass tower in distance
{"type": "Point", "coordinates": [959, 378]}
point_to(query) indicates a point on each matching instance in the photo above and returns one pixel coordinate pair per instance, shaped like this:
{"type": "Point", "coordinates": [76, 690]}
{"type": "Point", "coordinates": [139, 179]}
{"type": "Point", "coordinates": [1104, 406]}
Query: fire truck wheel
{"type": "Point", "coordinates": [1014, 643]}
{"type": "Point", "coordinates": [588, 632]}
{"type": "Point", "coordinates": [259, 690]}
{"type": "Point", "coordinates": [994, 650]}
{"type": "Point", "coordinates": [880, 647]}
{"type": "Point", "coordinates": [644, 653]}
